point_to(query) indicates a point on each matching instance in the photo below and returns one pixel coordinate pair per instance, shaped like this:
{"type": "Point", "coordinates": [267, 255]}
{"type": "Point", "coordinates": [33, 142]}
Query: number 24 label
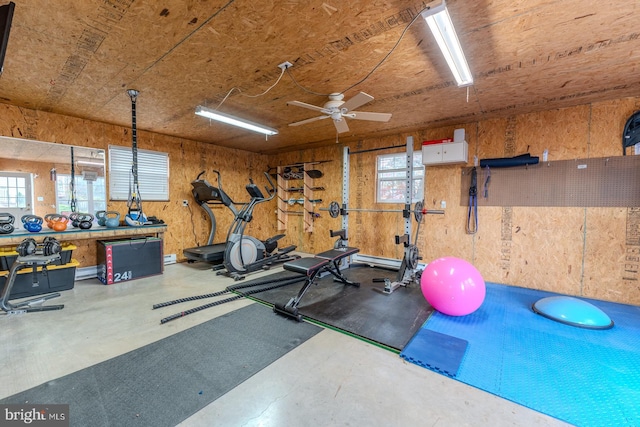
{"type": "Point", "coordinates": [125, 275]}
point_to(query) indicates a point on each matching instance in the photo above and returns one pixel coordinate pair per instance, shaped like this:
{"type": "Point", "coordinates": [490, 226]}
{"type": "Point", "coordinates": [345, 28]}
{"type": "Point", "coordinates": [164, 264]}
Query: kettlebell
{"type": "Point", "coordinates": [112, 219]}
{"type": "Point", "coordinates": [32, 223]}
{"type": "Point", "coordinates": [101, 217]}
{"type": "Point", "coordinates": [59, 223]}
{"type": "Point", "coordinates": [49, 217]}
{"type": "Point", "coordinates": [85, 221]}
{"type": "Point", "coordinates": [6, 223]}
{"type": "Point", "coordinates": [73, 219]}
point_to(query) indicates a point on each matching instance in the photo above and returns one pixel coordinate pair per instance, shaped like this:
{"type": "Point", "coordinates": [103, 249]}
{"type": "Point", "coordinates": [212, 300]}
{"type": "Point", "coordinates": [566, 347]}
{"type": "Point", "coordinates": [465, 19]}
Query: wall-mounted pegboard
{"type": "Point", "coordinates": [598, 182]}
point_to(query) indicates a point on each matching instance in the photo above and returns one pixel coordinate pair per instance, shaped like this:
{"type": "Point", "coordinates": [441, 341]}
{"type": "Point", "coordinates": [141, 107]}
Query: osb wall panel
{"type": "Point", "coordinates": [546, 260]}
{"type": "Point", "coordinates": [330, 164]}
{"type": "Point", "coordinates": [374, 232]}
{"type": "Point", "coordinates": [186, 227]}
{"type": "Point", "coordinates": [607, 120]}
{"type": "Point", "coordinates": [612, 249]}
{"type": "Point", "coordinates": [445, 234]}
{"type": "Point", "coordinates": [189, 226]}
{"type": "Point", "coordinates": [590, 252]}
{"type": "Point", "coordinates": [565, 133]}
{"type": "Point", "coordinates": [612, 257]}
{"type": "Point", "coordinates": [508, 238]}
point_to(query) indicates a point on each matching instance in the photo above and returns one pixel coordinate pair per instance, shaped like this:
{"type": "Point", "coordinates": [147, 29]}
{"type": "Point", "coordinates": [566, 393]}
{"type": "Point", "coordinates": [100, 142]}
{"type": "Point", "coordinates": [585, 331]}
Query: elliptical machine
{"type": "Point", "coordinates": [244, 254]}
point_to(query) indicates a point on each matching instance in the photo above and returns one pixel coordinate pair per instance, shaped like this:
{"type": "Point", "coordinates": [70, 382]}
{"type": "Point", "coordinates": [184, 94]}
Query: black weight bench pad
{"type": "Point", "coordinates": [337, 254]}
{"type": "Point", "coordinates": [311, 265]}
{"type": "Point", "coordinates": [307, 266]}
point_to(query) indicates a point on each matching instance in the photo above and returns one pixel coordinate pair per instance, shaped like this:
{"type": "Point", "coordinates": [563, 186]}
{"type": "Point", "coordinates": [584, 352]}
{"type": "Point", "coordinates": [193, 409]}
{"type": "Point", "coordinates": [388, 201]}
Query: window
{"type": "Point", "coordinates": [13, 190]}
{"type": "Point", "coordinates": [153, 174]}
{"type": "Point", "coordinates": [391, 170]}
{"type": "Point", "coordinates": [16, 196]}
{"type": "Point", "coordinates": [90, 194]}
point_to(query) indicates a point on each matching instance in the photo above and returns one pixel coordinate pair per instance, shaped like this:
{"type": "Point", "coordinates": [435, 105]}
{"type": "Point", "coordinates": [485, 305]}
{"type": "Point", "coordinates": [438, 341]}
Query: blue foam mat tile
{"type": "Point", "coordinates": [582, 376]}
{"type": "Point", "coordinates": [435, 351]}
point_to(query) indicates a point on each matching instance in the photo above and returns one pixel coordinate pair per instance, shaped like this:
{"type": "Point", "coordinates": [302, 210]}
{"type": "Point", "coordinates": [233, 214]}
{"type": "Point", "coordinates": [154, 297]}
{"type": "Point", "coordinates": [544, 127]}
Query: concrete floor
{"type": "Point", "coordinates": [330, 380]}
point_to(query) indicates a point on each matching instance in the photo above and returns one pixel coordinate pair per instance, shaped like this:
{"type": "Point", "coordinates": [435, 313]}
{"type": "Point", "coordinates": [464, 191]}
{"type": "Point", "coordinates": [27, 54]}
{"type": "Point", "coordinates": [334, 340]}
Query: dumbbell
{"type": "Point", "coordinates": [32, 223]}
{"type": "Point", "coordinates": [6, 223]}
{"type": "Point", "coordinates": [51, 246]}
{"type": "Point", "coordinates": [27, 247]}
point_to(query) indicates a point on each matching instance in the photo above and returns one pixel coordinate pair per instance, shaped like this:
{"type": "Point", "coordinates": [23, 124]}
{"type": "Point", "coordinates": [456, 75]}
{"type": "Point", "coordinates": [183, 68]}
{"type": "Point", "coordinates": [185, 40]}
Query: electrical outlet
{"type": "Point", "coordinates": [185, 203]}
{"type": "Point", "coordinates": [285, 65]}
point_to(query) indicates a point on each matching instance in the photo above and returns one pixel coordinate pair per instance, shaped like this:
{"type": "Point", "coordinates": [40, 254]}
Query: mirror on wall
{"type": "Point", "coordinates": [36, 178]}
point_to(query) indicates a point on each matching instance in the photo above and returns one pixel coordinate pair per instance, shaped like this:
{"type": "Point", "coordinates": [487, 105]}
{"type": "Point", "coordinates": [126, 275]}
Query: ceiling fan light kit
{"type": "Point", "coordinates": [439, 22]}
{"type": "Point", "coordinates": [235, 121]}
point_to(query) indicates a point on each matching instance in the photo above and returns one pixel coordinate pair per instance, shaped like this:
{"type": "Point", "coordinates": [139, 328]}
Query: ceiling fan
{"type": "Point", "coordinates": [338, 110]}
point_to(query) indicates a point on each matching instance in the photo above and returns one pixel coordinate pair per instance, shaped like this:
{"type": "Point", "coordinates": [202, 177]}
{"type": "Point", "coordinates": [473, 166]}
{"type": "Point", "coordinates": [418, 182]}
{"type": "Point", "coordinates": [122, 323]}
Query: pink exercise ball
{"type": "Point", "coordinates": [453, 286]}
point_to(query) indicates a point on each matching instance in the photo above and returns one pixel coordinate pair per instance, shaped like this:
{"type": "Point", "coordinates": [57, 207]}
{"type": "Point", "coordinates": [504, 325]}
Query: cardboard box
{"type": "Point", "coordinates": [129, 259]}
{"type": "Point", "coordinates": [53, 278]}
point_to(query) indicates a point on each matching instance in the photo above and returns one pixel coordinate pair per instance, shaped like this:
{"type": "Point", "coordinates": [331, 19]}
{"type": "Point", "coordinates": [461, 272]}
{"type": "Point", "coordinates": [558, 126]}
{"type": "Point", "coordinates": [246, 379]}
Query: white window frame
{"type": "Point", "coordinates": [87, 203]}
{"type": "Point", "coordinates": [399, 176]}
{"type": "Point", "coordinates": [153, 174]}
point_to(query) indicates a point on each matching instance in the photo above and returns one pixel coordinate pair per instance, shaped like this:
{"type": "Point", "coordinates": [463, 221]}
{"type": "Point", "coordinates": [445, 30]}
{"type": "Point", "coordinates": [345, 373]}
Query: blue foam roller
{"type": "Point", "coordinates": [573, 311]}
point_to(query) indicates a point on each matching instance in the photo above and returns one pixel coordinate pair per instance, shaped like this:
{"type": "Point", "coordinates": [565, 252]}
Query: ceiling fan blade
{"type": "Point", "coordinates": [305, 105]}
{"type": "Point", "coordinates": [376, 117]}
{"type": "Point", "coordinates": [341, 125]}
{"type": "Point", "coordinates": [313, 119]}
{"type": "Point", "coordinates": [356, 101]}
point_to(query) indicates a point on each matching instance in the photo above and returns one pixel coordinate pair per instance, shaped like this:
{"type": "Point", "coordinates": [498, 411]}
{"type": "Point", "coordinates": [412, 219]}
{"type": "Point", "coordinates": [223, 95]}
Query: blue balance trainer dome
{"type": "Point", "coordinates": [573, 311]}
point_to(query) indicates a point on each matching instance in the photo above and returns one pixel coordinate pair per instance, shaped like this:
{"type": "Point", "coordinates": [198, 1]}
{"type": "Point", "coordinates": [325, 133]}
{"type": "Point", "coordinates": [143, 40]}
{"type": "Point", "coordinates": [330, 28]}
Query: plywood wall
{"type": "Point", "coordinates": [186, 226]}
{"type": "Point", "coordinates": [590, 252]}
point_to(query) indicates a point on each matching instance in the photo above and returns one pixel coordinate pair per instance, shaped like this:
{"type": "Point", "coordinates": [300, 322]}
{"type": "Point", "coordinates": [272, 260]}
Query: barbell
{"type": "Point", "coordinates": [418, 210]}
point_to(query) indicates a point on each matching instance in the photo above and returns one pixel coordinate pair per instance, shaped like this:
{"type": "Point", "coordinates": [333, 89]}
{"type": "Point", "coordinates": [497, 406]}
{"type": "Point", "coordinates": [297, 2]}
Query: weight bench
{"type": "Point", "coordinates": [312, 268]}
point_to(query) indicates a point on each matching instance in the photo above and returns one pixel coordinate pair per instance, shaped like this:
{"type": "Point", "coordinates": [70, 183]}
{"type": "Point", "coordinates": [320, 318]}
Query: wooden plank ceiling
{"type": "Point", "coordinates": [78, 58]}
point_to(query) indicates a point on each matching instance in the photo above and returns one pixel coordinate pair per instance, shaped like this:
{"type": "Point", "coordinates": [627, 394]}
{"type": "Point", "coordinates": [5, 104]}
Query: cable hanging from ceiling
{"type": "Point", "coordinates": [214, 114]}
{"type": "Point", "coordinates": [439, 22]}
{"type": "Point", "coordinates": [373, 70]}
{"type": "Point", "coordinates": [250, 96]}
{"type": "Point", "coordinates": [362, 80]}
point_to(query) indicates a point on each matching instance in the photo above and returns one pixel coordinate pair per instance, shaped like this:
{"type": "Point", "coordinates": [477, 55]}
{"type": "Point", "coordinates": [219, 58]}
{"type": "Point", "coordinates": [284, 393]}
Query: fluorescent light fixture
{"type": "Point", "coordinates": [439, 22]}
{"type": "Point", "coordinates": [93, 162]}
{"type": "Point", "coordinates": [235, 121]}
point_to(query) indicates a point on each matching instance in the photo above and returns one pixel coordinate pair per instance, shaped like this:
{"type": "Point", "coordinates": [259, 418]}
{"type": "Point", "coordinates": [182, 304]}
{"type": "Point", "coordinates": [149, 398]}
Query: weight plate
{"type": "Point", "coordinates": [417, 211]}
{"type": "Point", "coordinates": [334, 209]}
{"type": "Point", "coordinates": [631, 132]}
{"type": "Point", "coordinates": [412, 256]}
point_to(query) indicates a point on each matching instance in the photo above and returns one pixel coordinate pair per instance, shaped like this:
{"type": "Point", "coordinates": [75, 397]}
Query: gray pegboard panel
{"type": "Point", "coordinates": [599, 182]}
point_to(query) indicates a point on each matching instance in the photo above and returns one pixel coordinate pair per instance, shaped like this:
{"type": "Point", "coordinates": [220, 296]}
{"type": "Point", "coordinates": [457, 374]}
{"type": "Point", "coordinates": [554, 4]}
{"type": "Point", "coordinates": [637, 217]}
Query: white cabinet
{"type": "Point", "coordinates": [447, 153]}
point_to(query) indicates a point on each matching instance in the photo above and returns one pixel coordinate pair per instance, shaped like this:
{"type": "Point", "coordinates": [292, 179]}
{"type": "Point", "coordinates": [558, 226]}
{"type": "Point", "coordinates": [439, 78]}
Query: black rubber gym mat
{"type": "Point", "coordinates": [388, 319]}
{"type": "Point", "coordinates": [165, 382]}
